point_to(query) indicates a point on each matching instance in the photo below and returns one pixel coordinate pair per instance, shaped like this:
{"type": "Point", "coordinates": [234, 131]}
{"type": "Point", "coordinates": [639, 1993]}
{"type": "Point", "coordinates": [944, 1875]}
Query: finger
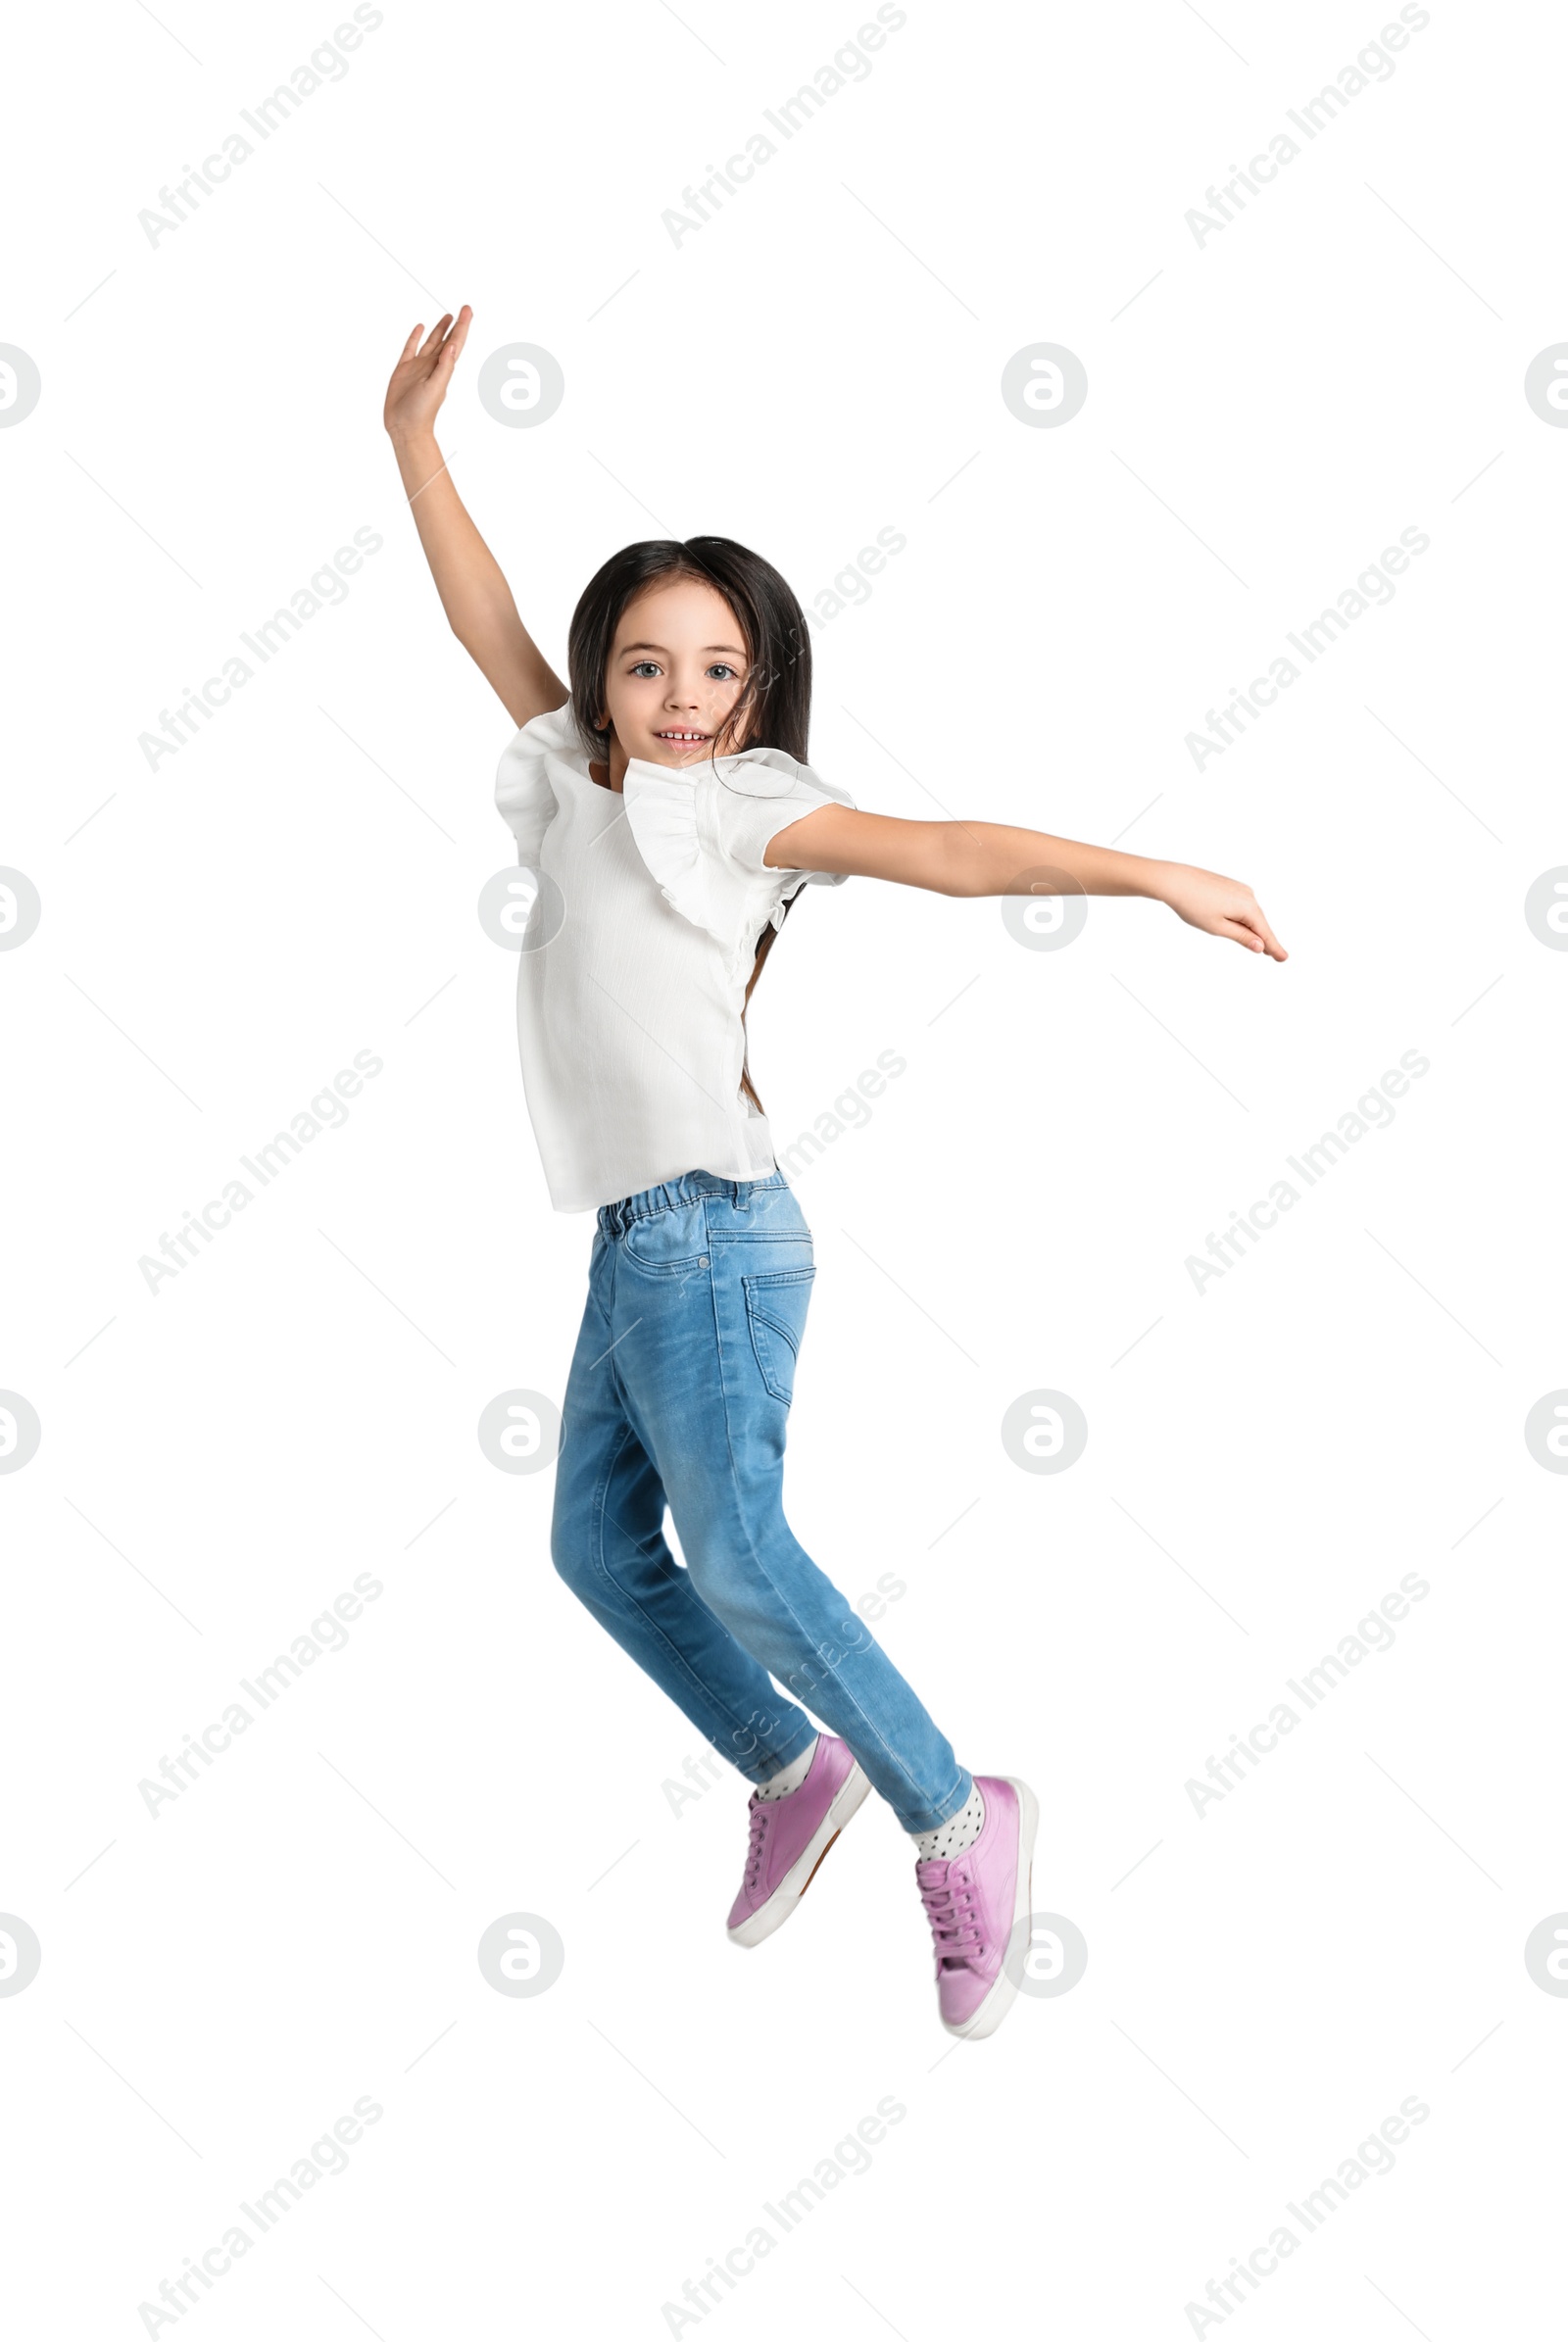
{"type": "Point", "coordinates": [435, 334]}
{"type": "Point", "coordinates": [448, 354]}
{"type": "Point", "coordinates": [1260, 927]}
{"type": "Point", "coordinates": [1239, 934]}
{"type": "Point", "coordinates": [411, 345]}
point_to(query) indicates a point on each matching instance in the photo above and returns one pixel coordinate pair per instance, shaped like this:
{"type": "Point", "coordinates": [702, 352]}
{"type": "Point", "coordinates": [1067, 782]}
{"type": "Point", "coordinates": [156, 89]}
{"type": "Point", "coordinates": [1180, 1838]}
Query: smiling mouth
{"type": "Point", "coordinates": [683, 739]}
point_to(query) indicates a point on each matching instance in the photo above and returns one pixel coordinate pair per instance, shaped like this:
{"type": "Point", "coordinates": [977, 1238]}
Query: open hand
{"type": "Point", "coordinates": [420, 376]}
{"type": "Point", "coordinates": [1219, 907]}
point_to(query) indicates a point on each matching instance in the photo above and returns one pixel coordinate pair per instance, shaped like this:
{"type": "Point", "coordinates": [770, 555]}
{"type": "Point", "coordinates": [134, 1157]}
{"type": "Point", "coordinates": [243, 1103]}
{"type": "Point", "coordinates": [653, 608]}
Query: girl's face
{"type": "Point", "coordinates": [675, 672]}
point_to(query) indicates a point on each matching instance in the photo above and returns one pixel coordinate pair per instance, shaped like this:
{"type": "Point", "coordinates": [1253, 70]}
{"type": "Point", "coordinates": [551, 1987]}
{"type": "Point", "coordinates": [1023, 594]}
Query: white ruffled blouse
{"type": "Point", "coordinates": [636, 952]}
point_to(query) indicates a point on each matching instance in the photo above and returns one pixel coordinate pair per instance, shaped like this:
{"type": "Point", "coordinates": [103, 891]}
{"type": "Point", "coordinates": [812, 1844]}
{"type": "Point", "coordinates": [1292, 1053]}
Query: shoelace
{"type": "Point", "coordinates": [950, 1906]}
{"type": "Point", "coordinates": [761, 1815]}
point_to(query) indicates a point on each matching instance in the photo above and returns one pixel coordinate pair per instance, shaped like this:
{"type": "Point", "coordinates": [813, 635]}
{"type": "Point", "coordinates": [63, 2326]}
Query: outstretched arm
{"type": "Point", "coordinates": [987, 857]}
{"type": "Point", "coordinates": [475, 595]}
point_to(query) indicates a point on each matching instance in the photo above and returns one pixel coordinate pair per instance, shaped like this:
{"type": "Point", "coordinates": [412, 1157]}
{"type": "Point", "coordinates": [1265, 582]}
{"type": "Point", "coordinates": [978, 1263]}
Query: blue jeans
{"type": "Point", "coordinates": [680, 1395]}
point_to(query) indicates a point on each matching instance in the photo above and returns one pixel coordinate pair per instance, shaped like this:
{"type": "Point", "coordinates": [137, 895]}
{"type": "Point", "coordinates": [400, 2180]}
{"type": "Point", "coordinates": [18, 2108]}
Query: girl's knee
{"type": "Point", "coordinates": [734, 1584]}
{"type": "Point", "coordinates": [569, 1548]}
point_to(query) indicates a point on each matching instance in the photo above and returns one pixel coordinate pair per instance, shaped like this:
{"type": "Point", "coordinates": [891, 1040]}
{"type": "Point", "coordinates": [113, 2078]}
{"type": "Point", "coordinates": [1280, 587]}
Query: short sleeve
{"type": "Point", "coordinates": [703, 834]}
{"type": "Point", "coordinates": [745, 802]}
{"type": "Point", "coordinates": [525, 797]}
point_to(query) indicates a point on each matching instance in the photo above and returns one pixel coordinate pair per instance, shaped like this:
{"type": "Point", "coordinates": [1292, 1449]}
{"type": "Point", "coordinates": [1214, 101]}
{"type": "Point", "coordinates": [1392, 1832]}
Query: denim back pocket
{"type": "Point", "coordinates": [775, 1309]}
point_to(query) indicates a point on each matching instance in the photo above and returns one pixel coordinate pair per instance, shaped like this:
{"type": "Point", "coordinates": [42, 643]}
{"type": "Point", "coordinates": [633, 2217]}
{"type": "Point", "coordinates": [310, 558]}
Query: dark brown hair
{"type": "Point", "coordinates": [774, 706]}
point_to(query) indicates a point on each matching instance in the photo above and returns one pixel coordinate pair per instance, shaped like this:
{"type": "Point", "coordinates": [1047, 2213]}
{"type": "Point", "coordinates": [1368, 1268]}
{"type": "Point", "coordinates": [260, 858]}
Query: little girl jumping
{"type": "Point", "coordinates": [667, 812]}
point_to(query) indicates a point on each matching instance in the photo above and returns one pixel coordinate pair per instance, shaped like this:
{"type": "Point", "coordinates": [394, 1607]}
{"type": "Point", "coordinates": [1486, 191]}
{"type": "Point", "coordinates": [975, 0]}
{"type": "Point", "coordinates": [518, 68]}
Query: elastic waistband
{"type": "Point", "coordinates": [690, 1188]}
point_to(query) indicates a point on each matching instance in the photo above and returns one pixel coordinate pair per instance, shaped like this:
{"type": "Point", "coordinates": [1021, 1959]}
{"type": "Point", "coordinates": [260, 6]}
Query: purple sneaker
{"type": "Point", "coordinates": [790, 1836]}
{"type": "Point", "coordinates": [974, 1902]}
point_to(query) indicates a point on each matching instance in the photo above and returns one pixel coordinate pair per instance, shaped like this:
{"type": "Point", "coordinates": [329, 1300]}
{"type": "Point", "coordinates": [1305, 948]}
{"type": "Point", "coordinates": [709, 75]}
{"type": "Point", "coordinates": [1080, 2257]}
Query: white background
{"type": "Point", "coordinates": [218, 1461]}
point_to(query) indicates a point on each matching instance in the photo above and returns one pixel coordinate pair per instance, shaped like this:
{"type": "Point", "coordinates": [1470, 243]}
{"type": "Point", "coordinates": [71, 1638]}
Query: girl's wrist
{"type": "Point", "coordinates": [1160, 880]}
{"type": "Point", "coordinates": [419, 461]}
{"type": "Point", "coordinates": [410, 445]}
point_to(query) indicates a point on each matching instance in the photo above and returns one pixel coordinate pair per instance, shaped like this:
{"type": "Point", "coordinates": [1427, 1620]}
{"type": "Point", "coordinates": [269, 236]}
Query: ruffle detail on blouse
{"type": "Point", "coordinates": [662, 815]}
{"type": "Point", "coordinates": [701, 835]}
{"type": "Point", "coordinates": [525, 796]}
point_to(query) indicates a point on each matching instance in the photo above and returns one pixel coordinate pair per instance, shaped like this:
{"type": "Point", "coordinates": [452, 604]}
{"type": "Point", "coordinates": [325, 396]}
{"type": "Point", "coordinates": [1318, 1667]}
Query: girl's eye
{"type": "Point", "coordinates": [644, 667]}
{"type": "Point", "coordinates": [721, 670]}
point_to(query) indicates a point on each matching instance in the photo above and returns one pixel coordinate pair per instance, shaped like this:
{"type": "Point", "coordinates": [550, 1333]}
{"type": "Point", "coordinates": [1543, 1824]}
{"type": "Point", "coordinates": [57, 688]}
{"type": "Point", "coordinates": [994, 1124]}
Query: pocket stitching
{"type": "Point", "coordinates": [662, 1268]}
{"type": "Point", "coordinates": [667, 1268]}
{"type": "Point", "coordinates": [761, 1323]}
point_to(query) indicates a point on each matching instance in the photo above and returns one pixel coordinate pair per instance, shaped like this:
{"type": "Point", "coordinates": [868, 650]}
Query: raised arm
{"type": "Point", "coordinates": [987, 857]}
{"type": "Point", "coordinates": [475, 595]}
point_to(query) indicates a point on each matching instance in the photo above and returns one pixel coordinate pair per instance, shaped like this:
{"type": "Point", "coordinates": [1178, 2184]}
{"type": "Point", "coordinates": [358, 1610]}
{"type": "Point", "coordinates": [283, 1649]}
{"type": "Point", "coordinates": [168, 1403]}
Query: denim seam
{"type": "Point", "coordinates": [872, 1732]}
{"type": "Point", "coordinates": [683, 1267]}
{"type": "Point", "coordinates": [945, 1815]}
{"type": "Point", "coordinates": [808, 1735]}
{"type": "Point", "coordinates": [597, 1515]}
{"type": "Point", "coordinates": [762, 1237]}
{"type": "Point", "coordinates": [681, 1665]}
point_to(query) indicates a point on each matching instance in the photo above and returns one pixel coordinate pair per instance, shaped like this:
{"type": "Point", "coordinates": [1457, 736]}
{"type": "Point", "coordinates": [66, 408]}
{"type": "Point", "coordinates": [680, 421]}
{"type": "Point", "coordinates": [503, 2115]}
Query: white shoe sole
{"type": "Point", "coordinates": [1005, 1992]}
{"type": "Point", "coordinates": [798, 1878]}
